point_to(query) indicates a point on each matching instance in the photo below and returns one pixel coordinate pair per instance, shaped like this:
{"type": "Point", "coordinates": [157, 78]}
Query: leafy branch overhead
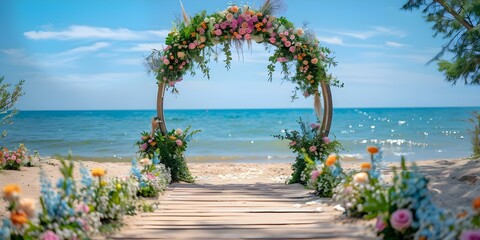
{"type": "Point", "coordinates": [458, 23]}
{"type": "Point", "coordinates": [7, 101]}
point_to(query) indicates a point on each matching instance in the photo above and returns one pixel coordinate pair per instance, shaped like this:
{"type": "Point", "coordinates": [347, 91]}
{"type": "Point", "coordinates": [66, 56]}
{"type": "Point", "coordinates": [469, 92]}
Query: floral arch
{"type": "Point", "coordinates": [194, 41]}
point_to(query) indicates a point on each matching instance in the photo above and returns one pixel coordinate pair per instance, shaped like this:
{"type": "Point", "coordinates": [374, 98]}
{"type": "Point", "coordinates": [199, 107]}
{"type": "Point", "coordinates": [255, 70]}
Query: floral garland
{"type": "Point", "coordinates": [192, 41]}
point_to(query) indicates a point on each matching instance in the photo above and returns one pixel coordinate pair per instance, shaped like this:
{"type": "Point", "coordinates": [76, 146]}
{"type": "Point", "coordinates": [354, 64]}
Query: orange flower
{"type": "Point", "coordinates": [365, 166]}
{"type": "Point", "coordinates": [193, 34]}
{"type": "Point", "coordinates": [476, 204]}
{"type": "Point", "coordinates": [98, 172]}
{"type": "Point", "coordinates": [462, 214]}
{"type": "Point", "coordinates": [331, 160]}
{"type": "Point", "coordinates": [300, 57]}
{"type": "Point", "coordinates": [18, 218]}
{"type": "Point", "coordinates": [234, 9]}
{"type": "Point", "coordinates": [10, 191]}
{"type": "Point", "coordinates": [259, 14]}
{"type": "Point", "coordinates": [203, 25]}
{"type": "Point", "coordinates": [153, 144]}
{"type": "Point", "coordinates": [372, 149]}
{"type": "Point", "coordinates": [172, 137]}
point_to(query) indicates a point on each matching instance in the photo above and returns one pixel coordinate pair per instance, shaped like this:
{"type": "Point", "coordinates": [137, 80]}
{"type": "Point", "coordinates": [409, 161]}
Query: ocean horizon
{"type": "Point", "coordinates": [245, 135]}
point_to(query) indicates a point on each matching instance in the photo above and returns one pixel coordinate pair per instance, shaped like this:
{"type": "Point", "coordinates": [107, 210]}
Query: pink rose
{"type": "Point", "coordinates": [218, 32]}
{"type": "Point", "coordinates": [380, 225]}
{"type": "Point", "coordinates": [49, 235]}
{"type": "Point", "coordinates": [272, 40]}
{"type": "Point", "coordinates": [179, 142]}
{"type": "Point", "coordinates": [247, 36]}
{"type": "Point", "coordinates": [144, 146]}
{"type": "Point", "coordinates": [314, 60]}
{"type": "Point", "coordinates": [192, 46]}
{"type": "Point", "coordinates": [315, 174]}
{"type": "Point", "coordinates": [248, 18]}
{"type": "Point", "coordinates": [292, 143]}
{"type": "Point", "coordinates": [401, 219]}
{"type": "Point", "coordinates": [292, 49]}
{"type": "Point", "coordinates": [312, 148]}
{"type": "Point", "coordinates": [238, 36]}
{"type": "Point", "coordinates": [314, 125]}
{"type": "Point", "coordinates": [288, 44]}
{"type": "Point", "coordinates": [326, 140]}
{"type": "Point", "coordinates": [470, 235]}
{"type": "Point", "coordinates": [166, 62]}
{"type": "Point", "coordinates": [281, 59]}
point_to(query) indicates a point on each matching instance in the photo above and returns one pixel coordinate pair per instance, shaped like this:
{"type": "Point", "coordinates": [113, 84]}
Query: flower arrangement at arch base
{"type": "Point", "coordinates": [170, 149]}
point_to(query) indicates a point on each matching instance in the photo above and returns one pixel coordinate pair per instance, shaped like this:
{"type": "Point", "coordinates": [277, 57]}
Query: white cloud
{"type": "Point", "coordinates": [364, 35]}
{"type": "Point", "coordinates": [147, 47]}
{"type": "Point", "coordinates": [331, 40]}
{"type": "Point", "coordinates": [84, 49]}
{"type": "Point", "coordinates": [92, 32]}
{"type": "Point", "coordinates": [394, 44]}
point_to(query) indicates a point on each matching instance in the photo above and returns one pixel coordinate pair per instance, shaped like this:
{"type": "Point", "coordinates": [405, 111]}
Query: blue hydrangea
{"type": "Point", "coordinates": [5, 229]}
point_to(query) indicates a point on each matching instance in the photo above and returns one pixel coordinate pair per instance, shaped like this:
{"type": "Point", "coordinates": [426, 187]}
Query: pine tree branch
{"type": "Point", "coordinates": [459, 18]}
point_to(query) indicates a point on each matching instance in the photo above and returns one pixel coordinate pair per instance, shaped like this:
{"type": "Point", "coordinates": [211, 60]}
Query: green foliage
{"type": "Point", "coordinates": [170, 150]}
{"type": "Point", "coordinates": [475, 134]}
{"type": "Point", "coordinates": [7, 101]}
{"type": "Point", "coordinates": [458, 22]}
{"type": "Point", "coordinates": [309, 142]}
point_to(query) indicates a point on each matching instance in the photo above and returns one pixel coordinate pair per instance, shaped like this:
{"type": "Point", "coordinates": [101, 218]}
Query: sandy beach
{"type": "Point", "coordinates": [454, 182]}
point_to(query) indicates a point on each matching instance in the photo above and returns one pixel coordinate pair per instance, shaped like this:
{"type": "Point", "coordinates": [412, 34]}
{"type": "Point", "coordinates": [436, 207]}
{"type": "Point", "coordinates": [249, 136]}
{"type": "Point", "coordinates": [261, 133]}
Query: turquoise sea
{"type": "Point", "coordinates": [246, 135]}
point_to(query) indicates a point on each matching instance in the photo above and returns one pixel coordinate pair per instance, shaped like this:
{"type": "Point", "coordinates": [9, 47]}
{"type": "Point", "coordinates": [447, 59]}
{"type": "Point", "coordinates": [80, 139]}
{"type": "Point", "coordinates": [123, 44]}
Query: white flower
{"type": "Point", "coordinates": [178, 131]}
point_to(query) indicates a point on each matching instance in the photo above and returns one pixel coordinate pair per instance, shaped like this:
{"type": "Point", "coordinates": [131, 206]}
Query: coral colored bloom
{"type": "Point", "coordinates": [361, 177]}
{"type": "Point", "coordinates": [292, 143]}
{"type": "Point", "coordinates": [326, 140]}
{"type": "Point", "coordinates": [179, 142]}
{"type": "Point", "coordinates": [98, 172]}
{"type": "Point", "coordinates": [331, 160]}
{"type": "Point", "coordinates": [272, 40]}
{"type": "Point", "coordinates": [27, 205]}
{"type": "Point", "coordinates": [247, 36]}
{"type": "Point", "coordinates": [365, 166]}
{"type": "Point", "coordinates": [288, 44]}
{"type": "Point", "coordinates": [292, 49]}
{"type": "Point", "coordinates": [49, 235]}
{"type": "Point", "coordinates": [470, 235]}
{"type": "Point", "coordinates": [218, 32]}
{"type": "Point", "coordinates": [145, 161]}
{"type": "Point", "coordinates": [380, 225]}
{"type": "Point", "coordinates": [299, 32]}
{"type": "Point", "coordinates": [166, 61]}
{"type": "Point", "coordinates": [234, 9]}
{"type": "Point", "coordinates": [372, 149]}
{"type": "Point", "coordinates": [476, 204]}
{"type": "Point", "coordinates": [401, 219]}
{"type": "Point", "coordinates": [314, 61]}
{"type": "Point", "coordinates": [312, 148]}
{"type": "Point", "coordinates": [172, 137]}
{"type": "Point", "coordinates": [18, 218]}
{"type": "Point", "coordinates": [10, 191]}
{"type": "Point", "coordinates": [315, 174]}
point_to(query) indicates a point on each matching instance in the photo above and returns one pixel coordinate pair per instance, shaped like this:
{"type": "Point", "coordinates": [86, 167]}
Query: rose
{"type": "Point", "coordinates": [178, 131]}
{"type": "Point", "coordinates": [314, 125]}
{"type": "Point", "coordinates": [49, 235]}
{"type": "Point", "coordinates": [288, 44]}
{"type": "Point", "coordinates": [401, 219]}
{"type": "Point", "coordinates": [292, 143]}
{"type": "Point", "coordinates": [179, 142]}
{"type": "Point", "coordinates": [28, 206]}
{"type": "Point", "coordinates": [470, 235]}
{"type": "Point", "coordinates": [381, 224]}
{"type": "Point", "coordinates": [272, 40]}
{"type": "Point", "coordinates": [166, 61]}
{"type": "Point", "coordinates": [247, 36]}
{"type": "Point", "coordinates": [192, 46]}
{"type": "Point", "coordinates": [218, 32]}
{"type": "Point", "coordinates": [361, 177]}
{"type": "Point", "coordinates": [312, 148]}
{"type": "Point", "coordinates": [315, 174]}
{"type": "Point", "coordinates": [181, 55]}
{"type": "Point", "coordinates": [326, 140]}
{"type": "Point", "coordinates": [314, 61]}
{"type": "Point", "coordinates": [299, 32]}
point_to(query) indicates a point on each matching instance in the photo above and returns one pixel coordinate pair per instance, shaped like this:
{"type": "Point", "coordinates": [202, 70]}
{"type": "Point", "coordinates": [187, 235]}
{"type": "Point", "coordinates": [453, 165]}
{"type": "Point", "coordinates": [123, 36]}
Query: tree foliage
{"type": "Point", "coordinates": [7, 101]}
{"type": "Point", "coordinates": [458, 22]}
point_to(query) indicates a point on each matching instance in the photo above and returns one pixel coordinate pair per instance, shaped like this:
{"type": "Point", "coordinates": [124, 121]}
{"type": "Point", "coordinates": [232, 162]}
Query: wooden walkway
{"type": "Point", "coordinates": [239, 211]}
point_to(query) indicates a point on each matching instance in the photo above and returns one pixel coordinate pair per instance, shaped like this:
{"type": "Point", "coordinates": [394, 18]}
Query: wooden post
{"type": "Point", "coordinates": [160, 117]}
{"type": "Point", "coordinates": [328, 111]}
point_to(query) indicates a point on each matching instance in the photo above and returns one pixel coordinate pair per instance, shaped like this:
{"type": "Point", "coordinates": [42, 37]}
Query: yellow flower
{"type": "Point", "coordinates": [98, 172]}
{"type": "Point", "coordinates": [361, 177]}
{"type": "Point", "coordinates": [331, 160]}
{"type": "Point", "coordinates": [10, 191]}
{"type": "Point", "coordinates": [18, 218]}
{"type": "Point", "coordinates": [27, 205]}
{"type": "Point", "coordinates": [172, 137]}
{"type": "Point", "coordinates": [365, 166]}
{"type": "Point", "coordinates": [372, 149]}
{"type": "Point", "coordinates": [103, 183]}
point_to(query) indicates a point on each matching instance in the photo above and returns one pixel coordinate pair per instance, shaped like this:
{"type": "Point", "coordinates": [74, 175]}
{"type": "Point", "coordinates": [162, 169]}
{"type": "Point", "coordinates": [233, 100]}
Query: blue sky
{"type": "Point", "coordinates": [89, 55]}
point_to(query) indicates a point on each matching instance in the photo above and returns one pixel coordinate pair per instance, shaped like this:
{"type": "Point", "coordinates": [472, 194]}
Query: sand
{"type": "Point", "coordinates": [454, 183]}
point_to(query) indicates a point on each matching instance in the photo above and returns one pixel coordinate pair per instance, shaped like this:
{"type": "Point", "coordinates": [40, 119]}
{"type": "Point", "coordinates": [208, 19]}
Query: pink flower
{"type": "Point", "coordinates": [248, 18]}
{"type": "Point", "coordinates": [242, 31]}
{"type": "Point", "coordinates": [470, 235]}
{"type": "Point", "coordinates": [223, 25]}
{"type": "Point", "coordinates": [272, 40]}
{"type": "Point", "coordinates": [292, 143]}
{"type": "Point", "coordinates": [49, 235]}
{"type": "Point", "coordinates": [201, 31]}
{"type": "Point", "coordinates": [401, 219]}
{"type": "Point", "coordinates": [312, 148]}
{"type": "Point", "coordinates": [171, 84]}
{"type": "Point", "coordinates": [314, 60]}
{"type": "Point", "coordinates": [247, 36]}
{"type": "Point", "coordinates": [192, 46]}
{"type": "Point", "coordinates": [150, 176]}
{"type": "Point", "coordinates": [314, 125]}
{"type": "Point", "coordinates": [166, 62]}
{"type": "Point", "coordinates": [218, 32]}
{"type": "Point", "coordinates": [284, 39]}
{"type": "Point", "coordinates": [249, 30]}
{"type": "Point", "coordinates": [292, 49]}
{"type": "Point", "coordinates": [315, 174]}
{"type": "Point", "coordinates": [288, 44]}
{"type": "Point", "coordinates": [292, 37]}
{"type": "Point", "coordinates": [229, 17]}
{"type": "Point", "coordinates": [306, 94]}
{"type": "Point", "coordinates": [179, 142]}
{"type": "Point", "coordinates": [380, 225]}
{"type": "Point", "coordinates": [144, 146]}
{"type": "Point", "coordinates": [281, 59]}
{"type": "Point", "coordinates": [83, 208]}
{"type": "Point", "coordinates": [326, 140]}
{"type": "Point", "coordinates": [238, 36]}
